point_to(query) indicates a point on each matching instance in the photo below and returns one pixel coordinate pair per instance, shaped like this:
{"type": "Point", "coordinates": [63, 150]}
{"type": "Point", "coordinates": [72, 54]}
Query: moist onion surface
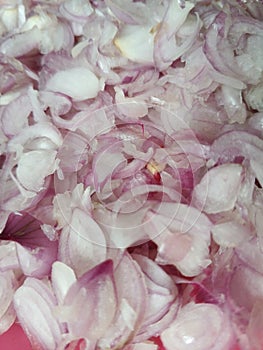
{"type": "Point", "coordinates": [131, 173]}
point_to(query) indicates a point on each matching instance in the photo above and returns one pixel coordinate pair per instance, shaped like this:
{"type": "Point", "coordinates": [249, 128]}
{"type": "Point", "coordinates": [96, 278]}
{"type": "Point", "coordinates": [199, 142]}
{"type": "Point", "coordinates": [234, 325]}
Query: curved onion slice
{"type": "Point", "coordinates": [132, 299]}
{"type": "Point", "coordinates": [7, 312]}
{"type": "Point", "coordinates": [218, 189]}
{"type": "Point", "coordinates": [182, 234]}
{"type": "Point", "coordinates": [189, 330]}
{"type": "Point", "coordinates": [162, 296]}
{"type": "Point", "coordinates": [34, 298]}
{"type": "Point", "coordinates": [95, 290]}
{"type": "Point", "coordinates": [82, 243]}
{"type": "Point", "coordinates": [78, 83]}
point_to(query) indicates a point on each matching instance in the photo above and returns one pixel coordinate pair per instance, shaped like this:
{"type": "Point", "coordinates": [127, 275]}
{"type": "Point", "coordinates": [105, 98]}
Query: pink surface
{"type": "Point", "coordinates": [15, 339]}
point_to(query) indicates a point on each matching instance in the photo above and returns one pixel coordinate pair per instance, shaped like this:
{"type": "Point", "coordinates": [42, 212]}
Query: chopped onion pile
{"type": "Point", "coordinates": [131, 173]}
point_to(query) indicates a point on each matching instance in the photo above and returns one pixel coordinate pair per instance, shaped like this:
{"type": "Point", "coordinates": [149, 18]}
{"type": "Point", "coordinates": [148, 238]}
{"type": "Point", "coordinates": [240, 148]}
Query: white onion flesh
{"type": "Point", "coordinates": [131, 173]}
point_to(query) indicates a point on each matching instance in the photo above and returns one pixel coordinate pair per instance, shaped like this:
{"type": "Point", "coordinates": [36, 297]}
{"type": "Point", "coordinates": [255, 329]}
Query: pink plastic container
{"type": "Point", "coordinates": [15, 339]}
